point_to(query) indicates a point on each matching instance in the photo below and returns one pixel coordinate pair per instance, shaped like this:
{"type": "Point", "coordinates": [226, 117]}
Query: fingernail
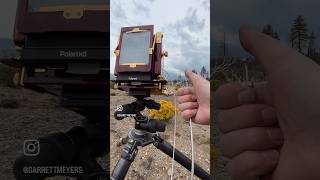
{"type": "Point", "coordinates": [246, 96]}
{"type": "Point", "coordinates": [269, 114]}
{"type": "Point", "coordinates": [276, 136]}
{"type": "Point", "coordinates": [272, 156]}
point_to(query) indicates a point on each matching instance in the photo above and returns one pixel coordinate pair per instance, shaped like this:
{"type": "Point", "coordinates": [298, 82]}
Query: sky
{"type": "Point", "coordinates": [185, 25]}
{"type": "Point", "coordinates": [7, 16]}
{"type": "Point", "coordinates": [228, 15]}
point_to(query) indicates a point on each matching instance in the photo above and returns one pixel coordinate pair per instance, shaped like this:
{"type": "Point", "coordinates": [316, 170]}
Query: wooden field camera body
{"type": "Point", "coordinates": [63, 42]}
{"type": "Point", "coordinates": [139, 55]}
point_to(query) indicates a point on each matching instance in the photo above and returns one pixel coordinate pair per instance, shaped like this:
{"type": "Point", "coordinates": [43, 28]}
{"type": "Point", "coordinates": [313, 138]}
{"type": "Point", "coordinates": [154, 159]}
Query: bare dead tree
{"type": "Point", "coordinates": [223, 66]}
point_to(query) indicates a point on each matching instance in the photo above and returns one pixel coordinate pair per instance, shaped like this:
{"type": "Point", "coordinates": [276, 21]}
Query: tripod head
{"type": "Point", "coordinates": [145, 133]}
{"type": "Point", "coordinates": [134, 109]}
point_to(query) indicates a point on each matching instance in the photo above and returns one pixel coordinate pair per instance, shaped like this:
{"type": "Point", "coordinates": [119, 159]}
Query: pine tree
{"type": "Point", "coordinates": [299, 34]}
{"type": "Point", "coordinates": [311, 46]}
{"type": "Point", "coordinates": [292, 37]}
{"type": "Point", "coordinates": [276, 36]}
{"type": "Point", "coordinates": [268, 30]}
{"type": "Point", "coordinates": [223, 47]}
{"type": "Point", "coordinates": [203, 72]}
{"type": "Point", "coordinates": [179, 77]}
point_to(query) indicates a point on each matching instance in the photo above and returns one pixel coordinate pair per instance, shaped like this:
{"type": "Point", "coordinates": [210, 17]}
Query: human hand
{"type": "Point", "coordinates": [291, 91]}
{"type": "Point", "coordinates": [194, 102]}
{"type": "Point", "coordinates": [250, 134]}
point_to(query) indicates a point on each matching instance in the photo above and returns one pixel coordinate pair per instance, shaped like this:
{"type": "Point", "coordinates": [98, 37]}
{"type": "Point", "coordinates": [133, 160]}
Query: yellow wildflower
{"type": "Point", "coordinates": [165, 113]}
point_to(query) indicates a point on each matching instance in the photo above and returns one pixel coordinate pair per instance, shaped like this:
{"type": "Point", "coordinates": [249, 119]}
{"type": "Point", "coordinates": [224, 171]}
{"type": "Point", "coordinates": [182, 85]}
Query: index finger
{"type": "Point", "coordinates": [185, 91]}
{"type": "Point", "coordinates": [233, 95]}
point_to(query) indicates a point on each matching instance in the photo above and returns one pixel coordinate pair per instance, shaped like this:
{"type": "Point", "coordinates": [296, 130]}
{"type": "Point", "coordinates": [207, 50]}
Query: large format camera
{"type": "Point", "coordinates": [139, 57]}
{"type": "Point", "coordinates": [65, 42]}
{"type": "Point", "coordinates": [64, 49]}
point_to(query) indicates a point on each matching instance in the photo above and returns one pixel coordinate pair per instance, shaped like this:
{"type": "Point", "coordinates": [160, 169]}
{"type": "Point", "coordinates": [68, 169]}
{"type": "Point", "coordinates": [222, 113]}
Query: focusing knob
{"type": "Point", "coordinates": [164, 54]}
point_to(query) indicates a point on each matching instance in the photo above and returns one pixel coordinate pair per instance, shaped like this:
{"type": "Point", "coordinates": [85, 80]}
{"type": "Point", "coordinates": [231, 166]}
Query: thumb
{"type": "Point", "coordinates": [273, 55]}
{"type": "Point", "coordinates": [192, 77]}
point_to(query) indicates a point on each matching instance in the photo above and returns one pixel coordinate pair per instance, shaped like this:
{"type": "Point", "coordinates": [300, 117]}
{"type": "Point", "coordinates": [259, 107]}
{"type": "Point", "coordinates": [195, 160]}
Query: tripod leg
{"type": "Point", "coordinates": [128, 155]}
{"type": "Point", "coordinates": [180, 157]}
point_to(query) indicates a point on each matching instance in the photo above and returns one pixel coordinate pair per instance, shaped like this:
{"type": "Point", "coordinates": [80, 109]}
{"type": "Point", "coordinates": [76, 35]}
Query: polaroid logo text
{"type": "Point", "coordinates": [126, 115]}
{"type": "Point", "coordinates": [73, 54]}
{"type": "Point", "coordinates": [133, 78]}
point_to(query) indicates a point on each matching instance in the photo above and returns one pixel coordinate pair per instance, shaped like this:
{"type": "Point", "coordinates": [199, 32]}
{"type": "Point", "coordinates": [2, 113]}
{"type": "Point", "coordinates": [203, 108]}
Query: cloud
{"type": "Point", "coordinates": [118, 12]}
{"type": "Point", "coordinates": [190, 21]}
{"type": "Point", "coordinates": [188, 44]}
{"type": "Point", "coordinates": [151, 1]}
{"type": "Point", "coordinates": [206, 5]}
{"type": "Point", "coordinates": [141, 8]}
{"type": "Point", "coordinates": [186, 30]}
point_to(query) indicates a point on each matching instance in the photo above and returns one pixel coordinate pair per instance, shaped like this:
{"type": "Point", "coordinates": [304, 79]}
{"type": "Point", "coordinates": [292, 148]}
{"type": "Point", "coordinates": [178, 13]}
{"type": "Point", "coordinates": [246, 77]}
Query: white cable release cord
{"type": "Point", "coordinates": [174, 142]}
{"type": "Point", "coordinates": [174, 138]}
{"type": "Point", "coordinates": [192, 149]}
{"type": "Point", "coordinates": [192, 145]}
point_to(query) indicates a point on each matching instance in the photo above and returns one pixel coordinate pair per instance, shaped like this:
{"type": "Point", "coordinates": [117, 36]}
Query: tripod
{"type": "Point", "coordinates": [146, 133]}
{"type": "Point", "coordinates": [78, 147]}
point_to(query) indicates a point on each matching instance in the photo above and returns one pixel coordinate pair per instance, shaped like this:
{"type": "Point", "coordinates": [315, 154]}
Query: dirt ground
{"type": "Point", "coordinates": [151, 163]}
{"type": "Point", "coordinates": [25, 114]}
